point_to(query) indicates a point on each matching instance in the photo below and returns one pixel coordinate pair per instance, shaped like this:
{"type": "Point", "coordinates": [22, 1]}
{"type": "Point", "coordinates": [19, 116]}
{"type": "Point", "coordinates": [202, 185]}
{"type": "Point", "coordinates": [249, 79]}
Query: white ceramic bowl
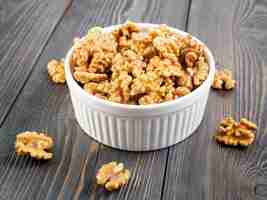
{"type": "Point", "coordinates": [138, 127]}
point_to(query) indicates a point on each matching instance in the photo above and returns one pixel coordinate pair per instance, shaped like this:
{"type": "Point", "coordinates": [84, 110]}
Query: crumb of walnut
{"type": "Point", "coordinates": [34, 144]}
{"type": "Point", "coordinates": [233, 133]}
{"type": "Point", "coordinates": [223, 80]}
{"type": "Point", "coordinates": [55, 70]}
{"type": "Point", "coordinates": [112, 175]}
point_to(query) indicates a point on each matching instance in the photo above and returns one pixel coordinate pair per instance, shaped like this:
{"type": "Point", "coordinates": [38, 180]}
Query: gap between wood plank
{"type": "Point", "coordinates": [99, 146]}
{"type": "Point", "coordinates": [168, 151]}
{"type": "Point", "coordinates": [13, 101]}
{"type": "Point", "coordinates": [188, 15]}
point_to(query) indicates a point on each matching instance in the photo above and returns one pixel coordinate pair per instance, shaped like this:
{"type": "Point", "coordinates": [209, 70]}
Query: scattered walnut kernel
{"type": "Point", "coordinates": [138, 66]}
{"type": "Point", "coordinates": [233, 133]}
{"type": "Point", "coordinates": [223, 80]}
{"type": "Point", "coordinates": [55, 70]}
{"type": "Point", "coordinates": [34, 144]}
{"type": "Point", "coordinates": [112, 175]}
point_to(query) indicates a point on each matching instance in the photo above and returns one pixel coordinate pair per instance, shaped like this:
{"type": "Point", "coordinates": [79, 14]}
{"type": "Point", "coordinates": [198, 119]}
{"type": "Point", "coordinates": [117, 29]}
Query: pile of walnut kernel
{"type": "Point", "coordinates": [134, 66]}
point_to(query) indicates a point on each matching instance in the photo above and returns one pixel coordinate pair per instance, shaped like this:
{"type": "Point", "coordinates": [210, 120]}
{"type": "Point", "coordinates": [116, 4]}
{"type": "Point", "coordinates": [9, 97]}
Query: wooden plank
{"type": "Point", "coordinates": [45, 105]}
{"type": "Point", "coordinates": [147, 176]}
{"type": "Point", "coordinates": [25, 27]}
{"type": "Point", "coordinates": [25, 178]}
{"type": "Point", "coordinates": [199, 168]}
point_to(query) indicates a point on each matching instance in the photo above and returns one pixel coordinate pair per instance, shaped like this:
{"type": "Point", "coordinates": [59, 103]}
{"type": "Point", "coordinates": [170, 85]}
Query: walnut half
{"type": "Point", "coordinates": [223, 80]}
{"type": "Point", "coordinates": [34, 144]}
{"type": "Point", "coordinates": [55, 70]}
{"type": "Point", "coordinates": [233, 133]}
{"type": "Point", "coordinates": [112, 175]}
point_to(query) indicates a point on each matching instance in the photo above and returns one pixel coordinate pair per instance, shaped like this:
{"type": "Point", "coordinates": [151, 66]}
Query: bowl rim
{"type": "Point", "coordinates": [111, 104]}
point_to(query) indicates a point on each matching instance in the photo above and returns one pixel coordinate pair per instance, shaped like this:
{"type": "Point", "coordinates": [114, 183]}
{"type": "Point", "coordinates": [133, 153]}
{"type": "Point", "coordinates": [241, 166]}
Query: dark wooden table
{"type": "Point", "coordinates": [35, 31]}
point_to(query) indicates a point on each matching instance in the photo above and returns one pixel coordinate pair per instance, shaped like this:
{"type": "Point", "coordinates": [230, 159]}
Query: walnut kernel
{"type": "Point", "coordinates": [223, 80]}
{"type": "Point", "coordinates": [233, 133]}
{"type": "Point", "coordinates": [112, 175]}
{"type": "Point", "coordinates": [55, 70]}
{"type": "Point", "coordinates": [34, 144]}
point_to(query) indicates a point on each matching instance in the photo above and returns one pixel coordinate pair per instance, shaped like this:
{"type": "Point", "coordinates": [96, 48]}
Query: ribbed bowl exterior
{"type": "Point", "coordinates": [139, 134]}
{"type": "Point", "coordinates": [139, 129]}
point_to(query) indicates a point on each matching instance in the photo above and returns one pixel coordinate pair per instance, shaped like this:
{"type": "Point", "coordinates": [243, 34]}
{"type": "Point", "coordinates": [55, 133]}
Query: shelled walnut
{"type": "Point", "coordinates": [233, 133]}
{"type": "Point", "coordinates": [112, 175]}
{"type": "Point", "coordinates": [34, 144]}
{"type": "Point", "coordinates": [55, 70]}
{"type": "Point", "coordinates": [223, 80]}
{"type": "Point", "coordinates": [137, 65]}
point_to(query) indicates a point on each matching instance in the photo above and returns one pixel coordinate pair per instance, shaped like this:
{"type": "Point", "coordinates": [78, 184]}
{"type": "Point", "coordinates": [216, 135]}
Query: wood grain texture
{"type": "Point", "coordinates": [25, 27]}
{"type": "Point", "coordinates": [147, 174]}
{"type": "Point", "coordinates": [25, 178]}
{"type": "Point", "coordinates": [44, 105]}
{"type": "Point", "coordinates": [198, 168]}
